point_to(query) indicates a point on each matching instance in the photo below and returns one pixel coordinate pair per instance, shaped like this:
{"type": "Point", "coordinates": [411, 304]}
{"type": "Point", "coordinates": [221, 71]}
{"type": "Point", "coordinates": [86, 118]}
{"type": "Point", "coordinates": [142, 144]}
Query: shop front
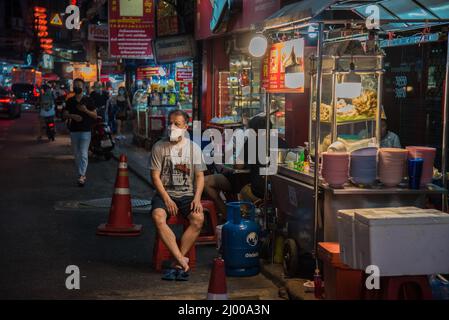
{"type": "Point", "coordinates": [232, 89]}
{"type": "Point", "coordinates": [327, 100]}
{"type": "Point", "coordinates": [164, 85]}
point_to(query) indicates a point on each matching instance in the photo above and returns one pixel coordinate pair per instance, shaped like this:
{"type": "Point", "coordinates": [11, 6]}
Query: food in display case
{"type": "Point", "coordinates": [355, 118]}
{"type": "Point", "coordinates": [366, 104]}
{"type": "Point", "coordinates": [325, 112]}
{"type": "Point", "coordinates": [239, 89]}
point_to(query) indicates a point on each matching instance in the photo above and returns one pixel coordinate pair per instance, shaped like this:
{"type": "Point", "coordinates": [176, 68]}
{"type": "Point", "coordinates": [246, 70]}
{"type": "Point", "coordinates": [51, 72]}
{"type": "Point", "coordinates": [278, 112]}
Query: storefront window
{"type": "Point", "coordinates": [239, 90]}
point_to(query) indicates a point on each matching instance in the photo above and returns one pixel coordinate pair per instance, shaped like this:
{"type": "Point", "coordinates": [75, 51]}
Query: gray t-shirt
{"type": "Point", "coordinates": [175, 164]}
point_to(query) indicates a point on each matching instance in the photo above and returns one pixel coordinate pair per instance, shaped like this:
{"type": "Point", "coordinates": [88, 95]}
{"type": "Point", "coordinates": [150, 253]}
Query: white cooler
{"type": "Point", "coordinates": [346, 231]}
{"type": "Point", "coordinates": [405, 242]}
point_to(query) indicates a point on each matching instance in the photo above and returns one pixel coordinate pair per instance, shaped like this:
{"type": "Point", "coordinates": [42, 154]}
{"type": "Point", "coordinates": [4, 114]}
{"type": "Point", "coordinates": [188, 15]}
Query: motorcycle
{"type": "Point", "coordinates": [101, 143]}
{"type": "Point", "coordinates": [60, 105]}
{"type": "Point", "coordinates": [50, 128]}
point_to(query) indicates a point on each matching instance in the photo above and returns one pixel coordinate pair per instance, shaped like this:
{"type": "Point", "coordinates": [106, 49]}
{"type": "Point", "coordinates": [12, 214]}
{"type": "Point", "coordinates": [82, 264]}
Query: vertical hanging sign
{"type": "Point", "coordinates": [131, 28]}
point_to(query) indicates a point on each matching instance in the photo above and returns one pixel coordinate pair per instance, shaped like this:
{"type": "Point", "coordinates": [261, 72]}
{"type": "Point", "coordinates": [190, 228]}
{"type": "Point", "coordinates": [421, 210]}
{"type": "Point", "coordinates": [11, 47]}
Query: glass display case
{"type": "Point", "coordinates": [277, 103]}
{"type": "Point", "coordinates": [350, 109]}
{"type": "Point", "coordinates": [239, 91]}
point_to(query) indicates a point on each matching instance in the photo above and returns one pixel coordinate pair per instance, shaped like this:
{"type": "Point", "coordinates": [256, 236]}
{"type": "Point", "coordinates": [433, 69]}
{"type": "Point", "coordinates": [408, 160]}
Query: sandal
{"type": "Point", "coordinates": [182, 275]}
{"type": "Point", "coordinates": [170, 274]}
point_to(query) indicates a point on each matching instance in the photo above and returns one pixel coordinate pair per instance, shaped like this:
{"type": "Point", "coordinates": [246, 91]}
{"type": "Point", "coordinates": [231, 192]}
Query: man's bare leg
{"type": "Point", "coordinates": [168, 237]}
{"type": "Point", "coordinates": [192, 232]}
{"type": "Point", "coordinates": [213, 184]}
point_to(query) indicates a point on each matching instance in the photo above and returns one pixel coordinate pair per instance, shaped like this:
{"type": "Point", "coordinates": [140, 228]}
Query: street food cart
{"type": "Point", "coordinates": [309, 205]}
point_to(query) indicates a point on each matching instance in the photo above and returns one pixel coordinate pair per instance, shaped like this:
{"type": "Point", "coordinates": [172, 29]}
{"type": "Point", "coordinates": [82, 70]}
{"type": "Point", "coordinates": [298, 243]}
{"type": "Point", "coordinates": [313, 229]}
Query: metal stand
{"type": "Point", "coordinates": [444, 140]}
{"type": "Point", "coordinates": [317, 131]}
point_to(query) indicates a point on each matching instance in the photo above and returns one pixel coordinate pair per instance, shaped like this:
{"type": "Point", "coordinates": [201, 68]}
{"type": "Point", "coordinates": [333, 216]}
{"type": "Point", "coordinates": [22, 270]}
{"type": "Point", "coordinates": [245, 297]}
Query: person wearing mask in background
{"type": "Point", "coordinates": [47, 109]}
{"type": "Point", "coordinates": [81, 115]}
{"type": "Point", "coordinates": [100, 99]}
{"type": "Point", "coordinates": [111, 113]}
{"type": "Point", "coordinates": [388, 139]}
{"type": "Point", "coordinates": [123, 111]}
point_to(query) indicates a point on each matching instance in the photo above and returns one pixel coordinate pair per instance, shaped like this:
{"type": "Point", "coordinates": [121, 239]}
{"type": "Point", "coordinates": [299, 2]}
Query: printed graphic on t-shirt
{"type": "Point", "coordinates": [175, 175]}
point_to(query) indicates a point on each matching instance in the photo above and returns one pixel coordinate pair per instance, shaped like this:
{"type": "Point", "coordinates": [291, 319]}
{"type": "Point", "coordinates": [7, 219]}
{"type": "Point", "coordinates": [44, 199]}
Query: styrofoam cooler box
{"type": "Point", "coordinates": [345, 230]}
{"type": "Point", "coordinates": [413, 242]}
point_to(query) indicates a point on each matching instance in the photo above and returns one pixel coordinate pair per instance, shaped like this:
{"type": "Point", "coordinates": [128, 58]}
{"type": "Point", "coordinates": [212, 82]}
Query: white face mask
{"type": "Point", "coordinates": [175, 133]}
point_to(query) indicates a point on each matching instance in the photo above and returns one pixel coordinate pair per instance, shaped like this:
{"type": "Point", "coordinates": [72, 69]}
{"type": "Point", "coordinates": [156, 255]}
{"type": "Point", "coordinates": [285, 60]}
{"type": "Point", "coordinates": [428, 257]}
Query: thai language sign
{"type": "Point", "coordinates": [173, 49]}
{"type": "Point", "coordinates": [146, 73]}
{"type": "Point", "coordinates": [184, 74]}
{"type": "Point", "coordinates": [131, 28]}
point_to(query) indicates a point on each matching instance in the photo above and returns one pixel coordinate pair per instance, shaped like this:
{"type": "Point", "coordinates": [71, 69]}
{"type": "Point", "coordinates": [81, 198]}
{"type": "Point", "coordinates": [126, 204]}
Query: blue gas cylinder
{"type": "Point", "coordinates": [240, 241]}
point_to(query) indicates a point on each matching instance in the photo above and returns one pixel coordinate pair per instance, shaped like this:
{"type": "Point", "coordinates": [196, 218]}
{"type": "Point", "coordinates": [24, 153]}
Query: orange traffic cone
{"type": "Point", "coordinates": [120, 216]}
{"type": "Point", "coordinates": [217, 283]}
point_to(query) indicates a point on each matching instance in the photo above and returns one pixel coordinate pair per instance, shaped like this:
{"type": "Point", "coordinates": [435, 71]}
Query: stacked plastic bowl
{"type": "Point", "coordinates": [335, 168]}
{"type": "Point", "coordinates": [428, 155]}
{"type": "Point", "coordinates": [392, 165]}
{"type": "Point", "coordinates": [364, 166]}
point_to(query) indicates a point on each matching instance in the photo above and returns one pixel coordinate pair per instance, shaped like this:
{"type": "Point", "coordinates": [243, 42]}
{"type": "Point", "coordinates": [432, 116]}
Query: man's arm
{"type": "Point", "coordinates": [157, 182]}
{"type": "Point", "coordinates": [90, 113]}
{"type": "Point", "coordinates": [196, 205]}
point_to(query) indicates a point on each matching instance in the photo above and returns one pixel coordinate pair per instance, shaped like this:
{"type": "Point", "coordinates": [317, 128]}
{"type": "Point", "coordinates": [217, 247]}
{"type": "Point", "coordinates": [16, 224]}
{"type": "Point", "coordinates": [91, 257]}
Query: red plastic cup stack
{"type": "Point", "coordinates": [428, 155]}
{"type": "Point", "coordinates": [335, 168]}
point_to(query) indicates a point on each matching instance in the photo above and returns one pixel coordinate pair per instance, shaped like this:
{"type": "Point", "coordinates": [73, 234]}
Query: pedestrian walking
{"type": "Point", "coordinates": [100, 98]}
{"type": "Point", "coordinates": [47, 109]}
{"type": "Point", "coordinates": [81, 115]}
{"type": "Point", "coordinates": [111, 112]}
{"type": "Point", "coordinates": [123, 111]}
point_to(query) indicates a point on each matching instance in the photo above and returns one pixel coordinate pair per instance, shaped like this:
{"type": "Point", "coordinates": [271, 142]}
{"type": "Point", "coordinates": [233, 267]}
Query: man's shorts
{"type": "Point", "coordinates": [182, 203]}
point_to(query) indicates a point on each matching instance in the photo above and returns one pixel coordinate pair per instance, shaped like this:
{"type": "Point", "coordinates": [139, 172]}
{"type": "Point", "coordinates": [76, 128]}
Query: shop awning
{"type": "Point", "coordinates": [394, 14]}
{"type": "Point", "coordinates": [297, 12]}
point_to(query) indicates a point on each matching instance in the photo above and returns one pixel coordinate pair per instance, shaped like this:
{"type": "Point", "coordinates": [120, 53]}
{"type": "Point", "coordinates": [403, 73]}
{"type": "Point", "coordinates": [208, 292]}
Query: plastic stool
{"type": "Point", "coordinates": [401, 288]}
{"type": "Point", "coordinates": [210, 213]}
{"type": "Point", "coordinates": [160, 251]}
{"type": "Point", "coordinates": [340, 281]}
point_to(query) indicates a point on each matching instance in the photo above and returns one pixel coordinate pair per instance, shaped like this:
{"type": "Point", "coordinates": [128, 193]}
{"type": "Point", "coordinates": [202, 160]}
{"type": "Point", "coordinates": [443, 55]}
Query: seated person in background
{"type": "Point", "coordinates": [388, 138]}
{"type": "Point", "coordinates": [255, 190]}
{"type": "Point", "coordinates": [227, 181]}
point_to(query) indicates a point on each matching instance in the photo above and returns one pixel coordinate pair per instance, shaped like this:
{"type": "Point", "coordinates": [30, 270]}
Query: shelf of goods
{"type": "Point", "coordinates": [344, 112]}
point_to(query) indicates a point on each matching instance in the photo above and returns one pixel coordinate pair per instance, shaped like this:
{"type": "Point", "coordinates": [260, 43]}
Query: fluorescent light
{"type": "Point", "coordinates": [349, 90]}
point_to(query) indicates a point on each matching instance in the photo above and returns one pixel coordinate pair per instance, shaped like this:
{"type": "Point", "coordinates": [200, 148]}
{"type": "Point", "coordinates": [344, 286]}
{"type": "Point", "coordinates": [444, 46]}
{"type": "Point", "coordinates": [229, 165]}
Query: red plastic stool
{"type": "Point", "coordinates": [208, 236]}
{"type": "Point", "coordinates": [160, 251]}
{"type": "Point", "coordinates": [401, 288]}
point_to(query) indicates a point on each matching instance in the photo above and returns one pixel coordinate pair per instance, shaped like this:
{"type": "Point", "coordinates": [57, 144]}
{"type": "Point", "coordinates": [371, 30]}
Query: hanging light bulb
{"type": "Point", "coordinates": [312, 32]}
{"type": "Point", "coordinates": [351, 85]}
{"type": "Point", "coordinates": [258, 46]}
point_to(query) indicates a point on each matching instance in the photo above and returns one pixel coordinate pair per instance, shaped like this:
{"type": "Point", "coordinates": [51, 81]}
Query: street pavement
{"type": "Point", "coordinates": [39, 242]}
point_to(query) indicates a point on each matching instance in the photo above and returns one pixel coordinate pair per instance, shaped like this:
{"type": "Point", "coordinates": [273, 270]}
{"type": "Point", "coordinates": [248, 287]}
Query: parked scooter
{"type": "Point", "coordinates": [50, 128]}
{"type": "Point", "coordinates": [101, 143]}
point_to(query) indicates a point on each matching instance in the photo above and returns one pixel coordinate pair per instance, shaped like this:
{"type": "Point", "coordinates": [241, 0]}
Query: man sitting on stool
{"type": "Point", "coordinates": [179, 181]}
